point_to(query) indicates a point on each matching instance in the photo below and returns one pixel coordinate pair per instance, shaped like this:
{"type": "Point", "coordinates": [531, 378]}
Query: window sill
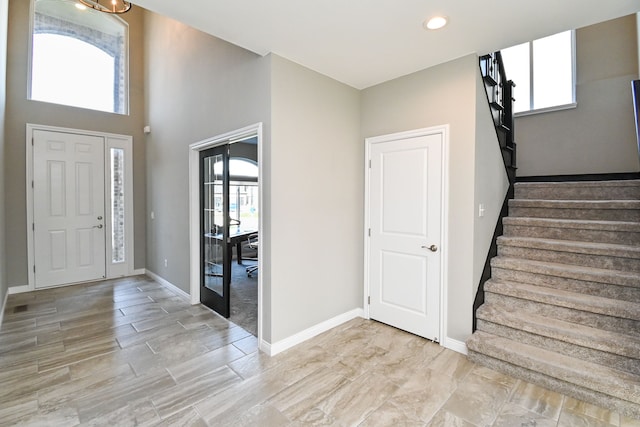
{"type": "Point", "coordinates": [547, 110]}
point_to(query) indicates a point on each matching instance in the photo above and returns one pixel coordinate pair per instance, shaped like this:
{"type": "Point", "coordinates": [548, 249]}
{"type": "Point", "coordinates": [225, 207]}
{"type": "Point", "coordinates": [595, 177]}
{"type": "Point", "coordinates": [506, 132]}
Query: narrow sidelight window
{"type": "Point", "coordinates": [117, 206]}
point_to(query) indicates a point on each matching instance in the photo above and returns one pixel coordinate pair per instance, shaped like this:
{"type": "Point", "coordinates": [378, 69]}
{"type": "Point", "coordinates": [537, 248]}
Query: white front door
{"type": "Point", "coordinates": [405, 199]}
{"type": "Point", "coordinates": [68, 192]}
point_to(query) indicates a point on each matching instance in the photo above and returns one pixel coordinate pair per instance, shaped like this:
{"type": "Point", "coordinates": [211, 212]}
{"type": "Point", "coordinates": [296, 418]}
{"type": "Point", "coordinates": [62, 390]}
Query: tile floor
{"type": "Point", "coordinates": [129, 352]}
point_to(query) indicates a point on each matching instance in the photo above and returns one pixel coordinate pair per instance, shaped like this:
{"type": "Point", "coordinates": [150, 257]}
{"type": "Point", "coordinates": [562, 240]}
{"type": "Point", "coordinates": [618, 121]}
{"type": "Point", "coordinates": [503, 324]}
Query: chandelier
{"type": "Point", "coordinates": [108, 6]}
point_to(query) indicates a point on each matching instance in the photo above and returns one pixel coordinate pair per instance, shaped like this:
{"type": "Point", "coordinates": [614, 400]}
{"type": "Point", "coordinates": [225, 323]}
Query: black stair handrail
{"type": "Point", "coordinates": [635, 90]}
{"type": "Point", "coordinates": [499, 90]}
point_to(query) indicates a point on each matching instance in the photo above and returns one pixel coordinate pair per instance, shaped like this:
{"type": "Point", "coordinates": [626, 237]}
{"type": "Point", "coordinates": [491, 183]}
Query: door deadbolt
{"type": "Point", "coordinates": [432, 248]}
{"type": "Point", "coordinates": [99, 218]}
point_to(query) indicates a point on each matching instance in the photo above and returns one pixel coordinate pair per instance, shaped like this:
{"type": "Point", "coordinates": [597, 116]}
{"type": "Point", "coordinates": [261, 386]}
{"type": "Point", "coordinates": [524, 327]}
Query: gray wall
{"type": "Point", "coordinates": [599, 135]}
{"type": "Point", "coordinates": [21, 111]}
{"type": "Point", "coordinates": [491, 183]}
{"type": "Point", "coordinates": [4, 4]}
{"type": "Point", "coordinates": [316, 191]}
{"type": "Point", "coordinates": [197, 87]}
{"type": "Point", "coordinates": [446, 94]}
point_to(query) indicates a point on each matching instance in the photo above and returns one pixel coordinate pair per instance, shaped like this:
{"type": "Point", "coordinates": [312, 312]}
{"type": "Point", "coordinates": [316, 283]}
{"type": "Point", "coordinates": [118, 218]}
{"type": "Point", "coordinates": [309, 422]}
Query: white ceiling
{"type": "Point", "coordinates": [366, 42]}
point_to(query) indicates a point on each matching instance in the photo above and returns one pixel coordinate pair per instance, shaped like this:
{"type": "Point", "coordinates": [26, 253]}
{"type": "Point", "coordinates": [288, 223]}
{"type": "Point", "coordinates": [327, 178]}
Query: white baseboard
{"type": "Point", "coordinates": [455, 345]}
{"type": "Point", "coordinates": [170, 286]}
{"type": "Point", "coordinates": [265, 347]}
{"type": "Point", "coordinates": [287, 343]}
{"type": "Point", "coordinates": [19, 289]}
{"type": "Point", "coordinates": [4, 304]}
{"type": "Point", "coordinates": [26, 288]}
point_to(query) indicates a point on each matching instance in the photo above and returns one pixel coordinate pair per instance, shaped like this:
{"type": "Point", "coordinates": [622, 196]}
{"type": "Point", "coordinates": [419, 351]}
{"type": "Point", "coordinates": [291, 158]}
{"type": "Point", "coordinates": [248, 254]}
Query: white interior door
{"type": "Point", "coordinates": [68, 192]}
{"type": "Point", "coordinates": [405, 198]}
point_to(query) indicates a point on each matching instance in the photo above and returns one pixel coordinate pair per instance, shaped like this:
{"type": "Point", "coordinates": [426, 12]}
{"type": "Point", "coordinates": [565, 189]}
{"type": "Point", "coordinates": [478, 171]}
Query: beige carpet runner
{"type": "Point", "coordinates": [562, 308]}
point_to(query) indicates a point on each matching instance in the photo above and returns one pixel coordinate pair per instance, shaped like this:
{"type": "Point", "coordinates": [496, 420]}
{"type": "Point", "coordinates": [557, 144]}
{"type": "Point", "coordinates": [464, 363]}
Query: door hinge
{"type": "Point", "coordinates": [369, 300]}
{"type": "Point", "coordinates": [369, 163]}
{"type": "Point", "coordinates": [32, 141]}
{"type": "Point", "coordinates": [369, 232]}
{"type": "Point", "coordinates": [32, 184]}
{"type": "Point", "coordinates": [34, 268]}
{"type": "Point", "coordinates": [33, 226]}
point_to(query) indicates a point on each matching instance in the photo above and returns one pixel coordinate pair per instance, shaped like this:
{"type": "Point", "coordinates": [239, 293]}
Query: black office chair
{"type": "Point", "coordinates": [252, 244]}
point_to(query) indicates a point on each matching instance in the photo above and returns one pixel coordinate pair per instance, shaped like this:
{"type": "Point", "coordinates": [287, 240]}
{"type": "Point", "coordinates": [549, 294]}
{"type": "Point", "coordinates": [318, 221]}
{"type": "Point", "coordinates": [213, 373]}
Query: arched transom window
{"type": "Point", "coordinates": [79, 57]}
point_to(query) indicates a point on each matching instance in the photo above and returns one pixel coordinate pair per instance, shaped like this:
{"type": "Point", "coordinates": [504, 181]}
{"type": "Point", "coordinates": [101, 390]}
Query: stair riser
{"type": "Point", "coordinates": [575, 234]}
{"type": "Point", "coordinates": [604, 290]}
{"type": "Point", "coordinates": [566, 213]}
{"type": "Point", "coordinates": [585, 260]}
{"type": "Point", "coordinates": [594, 320]}
{"type": "Point", "coordinates": [579, 392]}
{"type": "Point", "coordinates": [577, 192]}
{"type": "Point", "coordinates": [580, 352]}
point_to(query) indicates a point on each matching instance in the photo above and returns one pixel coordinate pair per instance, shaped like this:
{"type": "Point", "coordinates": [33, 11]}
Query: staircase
{"type": "Point", "coordinates": [562, 307]}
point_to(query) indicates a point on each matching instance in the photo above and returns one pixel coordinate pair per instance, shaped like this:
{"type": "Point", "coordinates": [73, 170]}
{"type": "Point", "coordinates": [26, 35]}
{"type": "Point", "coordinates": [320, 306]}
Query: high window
{"type": "Point", "coordinates": [79, 57]}
{"type": "Point", "coordinates": [544, 73]}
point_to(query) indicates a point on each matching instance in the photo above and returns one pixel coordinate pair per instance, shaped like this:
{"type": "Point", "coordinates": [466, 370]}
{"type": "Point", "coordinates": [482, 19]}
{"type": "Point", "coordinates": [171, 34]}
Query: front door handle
{"type": "Point", "coordinates": [97, 226]}
{"type": "Point", "coordinates": [432, 248]}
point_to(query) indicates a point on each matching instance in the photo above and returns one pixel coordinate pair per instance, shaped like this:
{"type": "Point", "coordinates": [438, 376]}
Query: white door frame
{"type": "Point", "coordinates": [194, 207]}
{"type": "Point", "coordinates": [111, 140]}
{"type": "Point", "coordinates": [444, 261]}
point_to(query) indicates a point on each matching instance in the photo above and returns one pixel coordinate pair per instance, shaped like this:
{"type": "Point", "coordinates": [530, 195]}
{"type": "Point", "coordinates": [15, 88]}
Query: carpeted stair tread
{"type": "Point", "coordinates": [607, 210]}
{"type": "Point", "coordinates": [562, 298]}
{"type": "Point", "coordinates": [622, 385]}
{"type": "Point", "coordinates": [583, 230]}
{"type": "Point", "coordinates": [622, 189]}
{"type": "Point", "coordinates": [577, 247]}
{"type": "Point", "coordinates": [581, 184]}
{"type": "Point", "coordinates": [580, 224]}
{"type": "Point", "coordinates": [614, 361]}
{"type": "Point", "coordinates": [575, 204]}
{"type": "Point", "coordinates": [543, 276]}
{"type": "Point", "coordinates": [573, 333]}
{"type": "Point", "coordinates": [590, 274]}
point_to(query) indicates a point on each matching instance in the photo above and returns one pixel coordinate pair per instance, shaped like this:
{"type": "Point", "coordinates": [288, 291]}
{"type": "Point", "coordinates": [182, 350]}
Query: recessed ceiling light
{"type": "Point", "coordinates": [435, 23]}
{"type": "Point", "coordinates": [81, 6]}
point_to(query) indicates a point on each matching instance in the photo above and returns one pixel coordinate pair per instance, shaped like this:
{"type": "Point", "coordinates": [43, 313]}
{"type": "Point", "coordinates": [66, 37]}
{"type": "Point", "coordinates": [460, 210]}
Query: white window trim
{"type": "Point", "coordinates": [113, 270]}
{"type": "Point", "coordinates": [547, 110]}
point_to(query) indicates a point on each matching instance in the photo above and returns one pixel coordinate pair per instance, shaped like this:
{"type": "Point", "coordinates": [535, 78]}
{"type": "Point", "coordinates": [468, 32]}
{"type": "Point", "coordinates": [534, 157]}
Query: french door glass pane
{"type": "Point", "coordinates": [213, 217]}
{"type": "Point", "coordinates": [244, 204]}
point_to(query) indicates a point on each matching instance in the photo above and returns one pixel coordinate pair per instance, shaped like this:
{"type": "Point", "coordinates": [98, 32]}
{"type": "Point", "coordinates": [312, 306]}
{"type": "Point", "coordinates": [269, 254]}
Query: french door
{"type": "Point", "coordinates": [215, 251]}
